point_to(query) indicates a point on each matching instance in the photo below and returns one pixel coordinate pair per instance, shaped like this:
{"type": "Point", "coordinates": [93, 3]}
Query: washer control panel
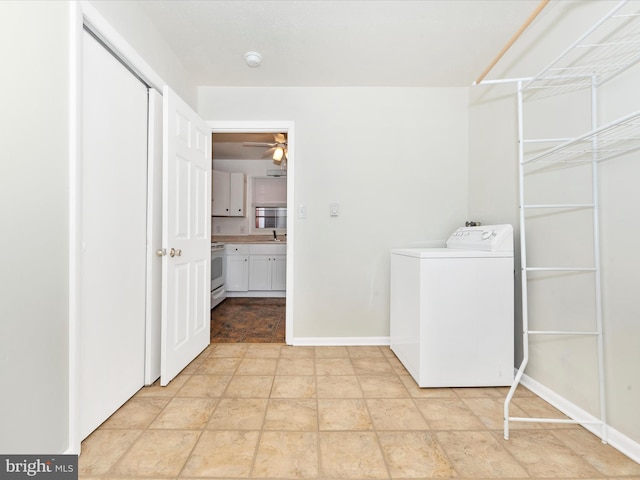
{"type": "Point", "coordinates": [486, 238]}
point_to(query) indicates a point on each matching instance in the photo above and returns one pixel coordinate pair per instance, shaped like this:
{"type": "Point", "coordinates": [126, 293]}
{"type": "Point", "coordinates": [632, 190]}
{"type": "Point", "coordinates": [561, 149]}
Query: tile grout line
{"type": "Point", "coordinates": [375, 430]}
{"type": "Point", "coordinates": [264, 417]}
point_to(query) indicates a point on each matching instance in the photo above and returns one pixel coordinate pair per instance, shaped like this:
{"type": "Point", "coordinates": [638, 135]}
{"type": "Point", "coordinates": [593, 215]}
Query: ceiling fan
{"type": "Point", "coordinates": [277, 149]}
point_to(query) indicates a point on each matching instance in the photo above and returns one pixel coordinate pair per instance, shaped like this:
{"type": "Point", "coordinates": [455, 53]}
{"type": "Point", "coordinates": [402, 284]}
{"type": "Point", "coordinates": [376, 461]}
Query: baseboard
{"type": "Point", "coordinates": [616, 439]}
{"type": "Point", "coordinates": [340, 341]}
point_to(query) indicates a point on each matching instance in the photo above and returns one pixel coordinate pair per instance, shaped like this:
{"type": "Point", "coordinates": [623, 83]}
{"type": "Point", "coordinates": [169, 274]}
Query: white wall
{"type": "Point", "coordinates": [34, 206]}
{"type": "Point", "coordinates": [33, 214]}
{"type": "Point", "coordinates": [133, 24]}
{"type": "Point", "coordinates": [620, 264]}
{"type": "Point", "coordinates": [395, 159]}
{"type": "Point", "coordinates": [567, 367]}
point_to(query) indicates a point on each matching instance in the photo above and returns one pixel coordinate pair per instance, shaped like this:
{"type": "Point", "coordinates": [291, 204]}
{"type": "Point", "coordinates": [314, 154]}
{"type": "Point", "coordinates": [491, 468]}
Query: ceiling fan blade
{"type": "Point", "coordinates": [280, 138]}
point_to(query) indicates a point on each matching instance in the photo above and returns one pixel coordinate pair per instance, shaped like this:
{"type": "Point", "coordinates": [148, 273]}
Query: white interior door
{"type": "Point", "coordinates": [112, 264]}
{"type": "Point", "coordinates": [186, 236]}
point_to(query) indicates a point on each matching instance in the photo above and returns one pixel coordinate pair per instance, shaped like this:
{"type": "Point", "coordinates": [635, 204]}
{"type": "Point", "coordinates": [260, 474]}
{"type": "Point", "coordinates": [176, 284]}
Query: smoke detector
{"type": "Point", "coordinates": [253, 59]}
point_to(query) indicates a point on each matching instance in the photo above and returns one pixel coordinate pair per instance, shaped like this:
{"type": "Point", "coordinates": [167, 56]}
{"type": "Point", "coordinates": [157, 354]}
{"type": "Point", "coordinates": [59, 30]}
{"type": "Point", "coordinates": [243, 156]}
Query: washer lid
{"type": "Point", "coordinates": [488, 238]}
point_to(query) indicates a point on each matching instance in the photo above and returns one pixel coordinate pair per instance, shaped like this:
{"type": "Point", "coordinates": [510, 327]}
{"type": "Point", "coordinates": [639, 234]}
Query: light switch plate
{"type": "Point", "coordinates": [302, 211]}
{"type": "Point", "coordinates": [334, 209]}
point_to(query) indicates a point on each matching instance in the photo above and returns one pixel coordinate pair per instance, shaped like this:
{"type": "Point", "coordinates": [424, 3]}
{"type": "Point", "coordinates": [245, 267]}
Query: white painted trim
{"type": "Point", "coordinates": [276, 126]}
{"type": "Point", "coordinates": [75, 149]}
{"type": "Point", "coordinates": [341, 341]}
{"type": "Point", "coordinates": [616, 439]}
{"type": "Point", "coordinates": [154, 237]}
{"type": "Point", "coordinates": [624, 444]}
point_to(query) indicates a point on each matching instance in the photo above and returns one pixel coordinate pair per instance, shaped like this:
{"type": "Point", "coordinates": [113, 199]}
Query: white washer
{"type": "Point", "coordinates": [452, 310]}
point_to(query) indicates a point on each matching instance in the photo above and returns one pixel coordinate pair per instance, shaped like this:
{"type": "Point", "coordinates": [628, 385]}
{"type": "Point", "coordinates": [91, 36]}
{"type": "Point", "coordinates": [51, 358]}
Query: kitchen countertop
{"type": "Point", "coordinates": [249, 239]}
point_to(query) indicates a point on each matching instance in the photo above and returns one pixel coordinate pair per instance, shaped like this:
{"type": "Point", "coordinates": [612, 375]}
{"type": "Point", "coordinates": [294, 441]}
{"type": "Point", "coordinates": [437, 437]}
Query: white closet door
{"type": "Point", "coordinates": [113, 236]}
{"type": "Point", "coordinates": [186, 236]}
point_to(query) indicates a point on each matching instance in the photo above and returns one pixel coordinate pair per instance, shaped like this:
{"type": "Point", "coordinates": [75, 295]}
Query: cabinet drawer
{"type": "Point", "coordinates": [268, 249]}
{"type": "Point", "coordinates": [236, 249]}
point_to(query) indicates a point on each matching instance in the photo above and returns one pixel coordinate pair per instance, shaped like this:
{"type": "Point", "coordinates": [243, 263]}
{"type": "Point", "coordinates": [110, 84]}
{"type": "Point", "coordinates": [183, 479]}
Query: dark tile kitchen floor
{"type": "Point", "coordinates": [249, 320]}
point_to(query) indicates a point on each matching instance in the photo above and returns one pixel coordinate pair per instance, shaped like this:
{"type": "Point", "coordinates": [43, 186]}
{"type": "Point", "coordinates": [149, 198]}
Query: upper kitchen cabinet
{"type": "Point", "coordinates": [270, 191]}
{"type": "Point", "coordinates": [229, 194]}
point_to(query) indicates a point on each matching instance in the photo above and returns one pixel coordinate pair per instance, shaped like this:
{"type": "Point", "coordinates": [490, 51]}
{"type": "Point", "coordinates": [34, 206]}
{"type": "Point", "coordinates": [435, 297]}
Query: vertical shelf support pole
{"type": "Point", "coordinates": [596, 259]}
{"type": "Point", "coordinates": [523, 266]}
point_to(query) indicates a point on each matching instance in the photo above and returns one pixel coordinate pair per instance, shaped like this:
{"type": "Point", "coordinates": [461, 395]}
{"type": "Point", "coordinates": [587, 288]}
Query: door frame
{"type": "Point", "coordinates": [82, 14]}
{"type": "Point", "coordinates": [287, 127]}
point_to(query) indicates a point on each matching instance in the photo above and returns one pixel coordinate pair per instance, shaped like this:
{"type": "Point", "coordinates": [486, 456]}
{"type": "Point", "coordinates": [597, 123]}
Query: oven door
{"type": "Point", "coordinates": [217, 267]}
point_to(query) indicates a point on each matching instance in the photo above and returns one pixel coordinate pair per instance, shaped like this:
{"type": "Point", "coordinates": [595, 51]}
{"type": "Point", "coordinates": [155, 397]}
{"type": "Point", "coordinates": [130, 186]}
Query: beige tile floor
{"type": "Point", "coordinates": [271, 411]}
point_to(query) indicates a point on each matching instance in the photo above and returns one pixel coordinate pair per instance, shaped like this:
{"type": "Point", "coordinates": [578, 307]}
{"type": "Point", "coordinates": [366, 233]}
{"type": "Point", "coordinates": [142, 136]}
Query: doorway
{"type": "Point", "coordinates": [275, 305]}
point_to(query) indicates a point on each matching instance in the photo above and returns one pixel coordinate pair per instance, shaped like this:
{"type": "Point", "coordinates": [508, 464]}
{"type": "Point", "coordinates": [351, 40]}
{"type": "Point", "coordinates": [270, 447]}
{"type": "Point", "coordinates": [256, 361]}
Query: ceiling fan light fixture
{"type": "Point", "coordinates": [277, 154]}
{"type": "Point", "coordinates": [253, 59]}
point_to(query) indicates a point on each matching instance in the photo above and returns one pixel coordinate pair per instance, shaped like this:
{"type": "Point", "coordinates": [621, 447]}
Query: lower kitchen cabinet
{"type": "Point", "coordinates": [256, 269]}
{"type": "Point", "coordinates": [237, 274]}
{"type": "Point", "coordinates": [267, 272]}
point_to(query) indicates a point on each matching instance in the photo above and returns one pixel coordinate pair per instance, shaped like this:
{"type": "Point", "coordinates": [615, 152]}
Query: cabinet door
{"type": "Point", "coordinates": [220, 194]}
{"type": "Point", "coordinates": [237, 273]}
{"type": "Point", "coordinates": [260, 272]}
{"type": "Point", "coordinates": [279, 272]}
{"type": "Point", "coordinates": [237, 194]}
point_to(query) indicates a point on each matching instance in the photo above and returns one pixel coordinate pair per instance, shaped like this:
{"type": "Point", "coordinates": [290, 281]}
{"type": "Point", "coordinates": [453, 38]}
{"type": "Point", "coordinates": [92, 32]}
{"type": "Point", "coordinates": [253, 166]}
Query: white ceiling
{"type": "Point", "coordinates": [425, 43]}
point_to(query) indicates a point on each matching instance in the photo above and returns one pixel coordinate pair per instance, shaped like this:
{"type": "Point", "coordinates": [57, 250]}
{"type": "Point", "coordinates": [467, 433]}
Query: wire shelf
{"type": "Point", "coordinates": [611, 46]}
{"type": "Point", "coordinates": [607, 142]}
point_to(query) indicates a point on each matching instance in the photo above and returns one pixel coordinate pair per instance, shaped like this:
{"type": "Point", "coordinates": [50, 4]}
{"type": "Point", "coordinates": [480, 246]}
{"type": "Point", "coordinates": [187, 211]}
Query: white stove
{"type": "Point", "coordinates": [218, 273]}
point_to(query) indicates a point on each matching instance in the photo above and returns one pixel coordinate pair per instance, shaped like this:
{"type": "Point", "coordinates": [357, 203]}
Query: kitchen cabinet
{"type": "Point", "coordinates": [256, 270]}
{"type": "Point", "coordinates": [279, 272]}
{"type": "Point", "coordinates": [270, 191]}
{"type": "Point", "coordinates": [237, 258]}
{"type": "Point", "coordinates": [267, 272]}
{"type": "Point", "coordinates": [267, 267]}
{"type": "Point", "coordinates": [228, 194]}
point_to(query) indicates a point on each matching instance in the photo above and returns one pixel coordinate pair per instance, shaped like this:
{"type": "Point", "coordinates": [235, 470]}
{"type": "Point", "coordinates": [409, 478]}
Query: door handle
{"type": "Point", "coordinates": [161, 252]}
{"type": "Point", "coordinates": [175, 252]}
